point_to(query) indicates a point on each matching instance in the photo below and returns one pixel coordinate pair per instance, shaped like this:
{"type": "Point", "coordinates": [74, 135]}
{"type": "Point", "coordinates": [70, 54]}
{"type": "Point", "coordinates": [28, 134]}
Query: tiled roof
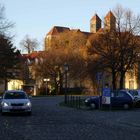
{"type": "Point", "coordinates": [32, 55]}
{"type": "Point", "coordinates": [57, 29]}
{"type": "Point", "coordinates": [78, 30]}
{"type": "Point", "coordinates": [109, 14]}
{"type": "Point", "coordinates": [75, 30]}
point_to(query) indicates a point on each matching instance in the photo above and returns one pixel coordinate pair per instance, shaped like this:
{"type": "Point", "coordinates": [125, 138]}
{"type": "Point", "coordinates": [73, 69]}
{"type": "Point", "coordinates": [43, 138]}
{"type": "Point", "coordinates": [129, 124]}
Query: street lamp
{"type": "Point", "coordinates": [66, 68]}
{"type": "Point", "coordinates": [46, 80]}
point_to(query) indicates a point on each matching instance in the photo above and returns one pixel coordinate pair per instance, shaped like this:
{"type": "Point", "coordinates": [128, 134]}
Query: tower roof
{"type": "Point", "coordinates": [57, 29]}
{"type": "Point", "coordinates": [109, 15]}
{"type": "Point", "coordinates": [95, 17]}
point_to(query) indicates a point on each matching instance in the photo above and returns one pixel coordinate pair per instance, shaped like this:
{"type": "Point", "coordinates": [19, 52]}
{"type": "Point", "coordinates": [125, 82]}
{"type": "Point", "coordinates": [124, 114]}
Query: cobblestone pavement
{"type": "Point", "coordinates": [50, 121]}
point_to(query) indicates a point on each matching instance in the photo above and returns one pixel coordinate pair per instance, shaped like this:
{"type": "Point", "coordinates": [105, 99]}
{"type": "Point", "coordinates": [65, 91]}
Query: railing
{"type": "Point", "coordinates": [75, 101]}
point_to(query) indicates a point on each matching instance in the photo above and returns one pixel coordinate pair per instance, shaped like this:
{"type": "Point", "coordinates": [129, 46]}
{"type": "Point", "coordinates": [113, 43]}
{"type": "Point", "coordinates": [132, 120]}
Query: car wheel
{"type": "Point", "coordinates": [126, 106]}
{"type": "Point", "coordinates": [29, 113]}
{"type": "Point", "coordinates": [93, 106]}
{"type": "Point", "coordinates": [137, 104]}
{"type": "Point", "coordinates": [3, 113]}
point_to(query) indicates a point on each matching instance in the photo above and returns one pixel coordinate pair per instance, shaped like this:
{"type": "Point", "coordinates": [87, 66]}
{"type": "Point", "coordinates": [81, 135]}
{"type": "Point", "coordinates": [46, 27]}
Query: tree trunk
{"type": "Point", "coordinates": [113, 80]}
{"type": "Point", "coordinates": [56, 86]}
{"type": "Point", "coordinates": [5, 83]}
{"type": "Point", "coordinates": [61, 84]}
{"type": "Point", "coordinates": [122, 76]}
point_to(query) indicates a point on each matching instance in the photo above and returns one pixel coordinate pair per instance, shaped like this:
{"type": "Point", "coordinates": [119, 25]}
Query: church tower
{"type": "Point", "coordinates": [110, 21]}
{"type": "Point", "coordinates": [95, 24]}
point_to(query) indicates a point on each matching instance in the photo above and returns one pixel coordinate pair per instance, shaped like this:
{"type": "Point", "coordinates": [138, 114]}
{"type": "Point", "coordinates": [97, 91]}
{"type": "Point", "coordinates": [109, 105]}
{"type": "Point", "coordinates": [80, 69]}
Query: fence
{"type": "Point", "coordinates": [75, 101]}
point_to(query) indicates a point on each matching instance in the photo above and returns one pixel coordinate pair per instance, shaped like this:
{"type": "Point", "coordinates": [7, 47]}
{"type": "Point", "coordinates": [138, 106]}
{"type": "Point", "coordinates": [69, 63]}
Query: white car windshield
{"type": "Point", "coordinates": [15, 95]}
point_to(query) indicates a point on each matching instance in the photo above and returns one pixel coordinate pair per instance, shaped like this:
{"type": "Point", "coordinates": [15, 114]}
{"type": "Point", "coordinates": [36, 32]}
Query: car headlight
{"type": "Point", "coordinates": [4, 104]}
{"type": "Point", "coordinates": [87, 100]}
{"type": "Point", "coordinates": [28, 104]}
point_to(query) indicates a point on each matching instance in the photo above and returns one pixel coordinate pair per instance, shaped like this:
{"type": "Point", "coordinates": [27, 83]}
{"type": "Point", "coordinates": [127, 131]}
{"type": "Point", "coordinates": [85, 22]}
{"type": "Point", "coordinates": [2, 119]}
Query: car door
{"type": "Point", "coordinates": [120, 99]}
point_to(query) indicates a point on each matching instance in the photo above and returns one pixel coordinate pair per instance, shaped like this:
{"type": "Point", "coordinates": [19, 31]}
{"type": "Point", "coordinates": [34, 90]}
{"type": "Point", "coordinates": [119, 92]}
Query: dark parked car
{"type": "Point", "coordinates": [120, 98]}
{"type": "Point", "coordinates": [135, 94]}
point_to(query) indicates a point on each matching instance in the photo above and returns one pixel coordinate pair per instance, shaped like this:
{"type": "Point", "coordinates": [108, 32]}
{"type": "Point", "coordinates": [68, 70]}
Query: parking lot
{"type": "Point", "coordinates": [50, 121]}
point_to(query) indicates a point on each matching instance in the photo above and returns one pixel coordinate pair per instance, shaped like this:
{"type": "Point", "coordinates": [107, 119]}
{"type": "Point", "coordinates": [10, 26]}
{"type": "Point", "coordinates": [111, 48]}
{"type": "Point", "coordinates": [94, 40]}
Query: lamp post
{"type": "Point", "coordinates": [46, 80]}
{"type": "Point", "coordinates": [66, 68]}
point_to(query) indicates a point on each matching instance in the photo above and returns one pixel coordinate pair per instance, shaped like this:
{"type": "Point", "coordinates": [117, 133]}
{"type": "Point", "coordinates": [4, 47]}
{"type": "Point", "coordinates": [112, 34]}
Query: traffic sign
{"type": "Point", "coordinates": [99, 76]}
{"type": "Point", "coordinates": [106, 96]}
{"type": "Point", "coordinates": [106, 92]}
{"type": "Point", "coordinates": [105, 100]}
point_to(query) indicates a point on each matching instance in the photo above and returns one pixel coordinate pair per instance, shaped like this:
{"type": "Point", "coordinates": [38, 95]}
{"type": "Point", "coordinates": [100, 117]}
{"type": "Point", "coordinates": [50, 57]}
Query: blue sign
{"type": "Point", "coordinates": [106, 92]}
{"type": "Point", "coordinates": [99, 76]}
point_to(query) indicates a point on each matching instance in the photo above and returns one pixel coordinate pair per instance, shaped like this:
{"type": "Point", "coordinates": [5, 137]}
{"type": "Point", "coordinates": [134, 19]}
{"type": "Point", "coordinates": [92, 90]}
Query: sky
{"type": "Point", "coordinates": [36, 17]}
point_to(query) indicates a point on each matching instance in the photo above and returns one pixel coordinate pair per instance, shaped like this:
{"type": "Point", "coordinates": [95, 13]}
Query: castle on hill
{"type": "Point", "coordinates": [95, 27]}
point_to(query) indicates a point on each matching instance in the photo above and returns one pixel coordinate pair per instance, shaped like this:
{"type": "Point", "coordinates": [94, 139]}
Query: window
{"type": "Point", "coordinates": [15, 95]}
{"type": "Point", "coordinates": [121, 94]}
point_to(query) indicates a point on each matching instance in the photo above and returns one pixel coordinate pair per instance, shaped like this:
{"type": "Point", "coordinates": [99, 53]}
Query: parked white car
{"type": "Point", "coordinates": [15, 101]}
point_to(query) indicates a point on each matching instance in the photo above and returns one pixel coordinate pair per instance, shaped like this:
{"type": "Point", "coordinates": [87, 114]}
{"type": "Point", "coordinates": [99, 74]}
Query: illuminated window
{"type": "Point", "coordinates": [131, 84]}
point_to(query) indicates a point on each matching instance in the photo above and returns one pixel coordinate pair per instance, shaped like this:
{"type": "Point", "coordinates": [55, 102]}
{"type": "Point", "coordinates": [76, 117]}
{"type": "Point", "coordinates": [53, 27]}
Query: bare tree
{"type": "Point", "coordinates": [72, 46]}
{"type": "Point", "coordinates": [103, 55]}
{"type": "Point", "coordinates": [5, 24]}
{"type": "Point", "coordinates": [127, 32]}
{"type": "Point", "coordinates": [29, 44]}
{"type": "Point", "coordinates": [117, 50]}
{"type": "Point", "coordinates": [67, 48]}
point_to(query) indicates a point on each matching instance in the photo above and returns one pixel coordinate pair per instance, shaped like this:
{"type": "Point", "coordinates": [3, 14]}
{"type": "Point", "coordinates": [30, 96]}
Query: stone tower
{"type": "Point", "coordinates": [95, 24]}
{"type": "Point", "coordinates": [110, 21]}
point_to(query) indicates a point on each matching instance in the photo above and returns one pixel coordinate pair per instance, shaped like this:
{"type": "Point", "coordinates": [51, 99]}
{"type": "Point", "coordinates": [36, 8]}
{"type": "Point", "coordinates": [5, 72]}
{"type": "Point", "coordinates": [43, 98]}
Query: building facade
{"type": "Point", "coordinates": [96, 26]}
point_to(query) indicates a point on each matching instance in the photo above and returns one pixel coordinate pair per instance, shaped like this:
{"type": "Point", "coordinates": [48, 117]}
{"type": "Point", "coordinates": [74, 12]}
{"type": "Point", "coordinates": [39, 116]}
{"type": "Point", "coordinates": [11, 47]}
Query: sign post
{"type": "Point", "coordinates": [106, 96]}
{"type": "Point", "coordinates": [99, 78]}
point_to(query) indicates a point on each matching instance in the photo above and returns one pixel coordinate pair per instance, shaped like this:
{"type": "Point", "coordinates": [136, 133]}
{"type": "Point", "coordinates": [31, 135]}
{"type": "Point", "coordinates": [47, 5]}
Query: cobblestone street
{"type": "Point", "coordinates": [50, 121]}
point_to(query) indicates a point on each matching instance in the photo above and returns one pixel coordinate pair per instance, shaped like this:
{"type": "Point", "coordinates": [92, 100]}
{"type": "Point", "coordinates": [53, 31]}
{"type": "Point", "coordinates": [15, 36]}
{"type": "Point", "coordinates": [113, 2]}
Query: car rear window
{"type": "Point", "coordinates": [15, 95]}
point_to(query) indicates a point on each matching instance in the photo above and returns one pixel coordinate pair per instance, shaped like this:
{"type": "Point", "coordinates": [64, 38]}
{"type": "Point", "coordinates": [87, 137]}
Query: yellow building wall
{"type": "Point", "coordinates": [15, 84]}
{"type": "Point", "coordinates": [131, 80]}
